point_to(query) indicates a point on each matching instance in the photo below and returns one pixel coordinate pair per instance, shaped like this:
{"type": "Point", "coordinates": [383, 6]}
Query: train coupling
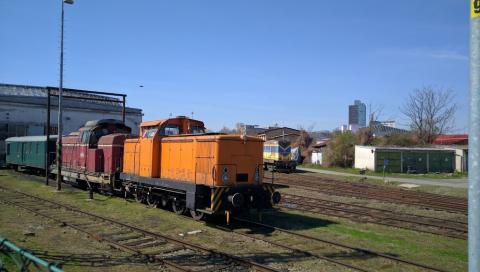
{"type": "Point", "coordinates": [276, 197]}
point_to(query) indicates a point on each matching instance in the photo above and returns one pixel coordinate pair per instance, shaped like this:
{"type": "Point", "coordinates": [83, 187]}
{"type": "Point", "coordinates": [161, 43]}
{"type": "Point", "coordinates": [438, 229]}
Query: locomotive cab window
{"type": "Point", "coordinates": [197, 130]}
{"type": "Point", "coordinates": [85, 137]}
{"type": "Point", "coordinates": [95, 137]}
{"type": "Point", "coordinates": [150, 132]}
{"type": "Point", "coordinates": [170, 129]}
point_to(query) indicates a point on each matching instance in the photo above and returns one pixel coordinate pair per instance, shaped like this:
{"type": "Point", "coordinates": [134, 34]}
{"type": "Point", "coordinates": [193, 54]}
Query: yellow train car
{"type": "Point", "coordinates": [277, 156]}
{"type": "Point", "coordinates": [175, 163]}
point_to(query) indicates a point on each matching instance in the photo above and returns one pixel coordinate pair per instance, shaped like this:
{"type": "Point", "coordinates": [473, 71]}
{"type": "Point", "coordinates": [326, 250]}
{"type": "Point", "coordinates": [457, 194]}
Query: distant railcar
{"type": "Point", "coordinates": [29, 151]}
{"type": "Point", "coordinates": [277, 156]}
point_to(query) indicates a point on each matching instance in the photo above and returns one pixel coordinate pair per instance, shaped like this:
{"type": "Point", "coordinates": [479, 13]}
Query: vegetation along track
{"type": "Point", "coordinates": [173, 253]}
{"type": "Point", "coordinates": [375, 192]}
{"type": "Point", "coordinates": [352, 257]}
{"type": "Point", "coordinates": [450, 228]}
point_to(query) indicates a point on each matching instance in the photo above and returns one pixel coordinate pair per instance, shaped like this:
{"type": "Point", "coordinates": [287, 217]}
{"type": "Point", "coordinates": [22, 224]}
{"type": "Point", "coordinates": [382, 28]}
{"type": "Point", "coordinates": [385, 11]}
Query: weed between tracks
{"type": "Point", "coordinates": [438, 251]}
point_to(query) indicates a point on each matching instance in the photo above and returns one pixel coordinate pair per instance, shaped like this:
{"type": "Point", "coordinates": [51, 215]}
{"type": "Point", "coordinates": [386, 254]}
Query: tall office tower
{"type": "Point", "coordinates": [357, 114]}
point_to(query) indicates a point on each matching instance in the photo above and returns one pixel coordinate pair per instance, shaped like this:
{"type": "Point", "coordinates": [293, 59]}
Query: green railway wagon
{"type": "Point", "coordinates": [29, 151]}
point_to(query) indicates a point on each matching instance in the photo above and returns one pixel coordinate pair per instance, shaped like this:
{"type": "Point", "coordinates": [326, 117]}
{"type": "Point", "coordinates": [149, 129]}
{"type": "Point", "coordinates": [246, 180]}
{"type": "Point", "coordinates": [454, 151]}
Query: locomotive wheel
{"type": "Point", "coordinates": [152, 201]}
{"type": "Point", "coordinates": [178, 208]}
{"type": "Point", "coordinates": [164, 202]}
{"type": "Point", "coordinates": [139, 196]}
{"type": "Point", "coordinates": [197, 215]}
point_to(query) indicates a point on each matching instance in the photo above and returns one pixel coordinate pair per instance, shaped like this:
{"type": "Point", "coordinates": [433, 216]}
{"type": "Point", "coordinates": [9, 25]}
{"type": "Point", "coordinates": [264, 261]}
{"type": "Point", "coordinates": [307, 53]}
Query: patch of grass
{"type": "Point", "coordinates": [455, 175]}
{"type": "Point", "coordinates": [7, 263]}
{"type": "Point", "coordinates": [438, 251]}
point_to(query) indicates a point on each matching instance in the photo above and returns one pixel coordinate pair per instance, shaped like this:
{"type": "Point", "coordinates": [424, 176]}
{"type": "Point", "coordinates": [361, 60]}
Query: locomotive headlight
{"type": "Point", "coordinates": [225, 174]}
{"type": "Point", "coordinates": [257, 175]}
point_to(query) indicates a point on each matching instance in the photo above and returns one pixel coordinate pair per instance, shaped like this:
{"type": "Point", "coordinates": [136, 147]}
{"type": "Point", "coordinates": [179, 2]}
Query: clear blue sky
{"type": "Point", "coordinates": [294, 62]}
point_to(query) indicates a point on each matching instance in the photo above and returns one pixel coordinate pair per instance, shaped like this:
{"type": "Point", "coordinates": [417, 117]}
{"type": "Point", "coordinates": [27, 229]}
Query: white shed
{"type": "Point", "coordinates": [317, 157]}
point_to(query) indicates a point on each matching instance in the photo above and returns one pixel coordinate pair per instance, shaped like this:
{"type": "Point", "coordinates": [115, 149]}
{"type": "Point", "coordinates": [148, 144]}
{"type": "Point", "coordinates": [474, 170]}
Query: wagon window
{"type": "Point", "coordinates": [8, 149]}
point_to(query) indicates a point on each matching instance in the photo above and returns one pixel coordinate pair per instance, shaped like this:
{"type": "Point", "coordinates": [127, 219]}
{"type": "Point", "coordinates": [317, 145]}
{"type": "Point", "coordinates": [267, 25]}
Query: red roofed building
{"type": "Point", "coordinates": [454, 139]}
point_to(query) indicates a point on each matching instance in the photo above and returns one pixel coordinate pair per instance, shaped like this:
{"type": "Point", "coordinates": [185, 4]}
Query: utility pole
{"type": "Point", "coordinates": [474, 141]}
{"type": "Point", "coordinates": [60, 89]}
{"type": "Point", "coordinates": [47, 145]}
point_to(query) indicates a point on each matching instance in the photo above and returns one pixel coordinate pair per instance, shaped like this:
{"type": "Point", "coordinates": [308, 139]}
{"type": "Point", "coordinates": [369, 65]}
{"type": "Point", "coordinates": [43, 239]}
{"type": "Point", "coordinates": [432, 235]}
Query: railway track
{"type": "Point", "coordinates": [374, 192]}
{"type": "Point", "coordinates": [300, 245]}
{"type": "Point", "coordinates": [454, 229]}
{"type": "Point", "coordinates": [172, 253]}
{"type": "Point", "coordinates": [355, 258]}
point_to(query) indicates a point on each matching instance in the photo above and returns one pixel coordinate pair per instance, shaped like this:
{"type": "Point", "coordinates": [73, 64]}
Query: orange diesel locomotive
{"type": "Point", "coordinates": [174, 162]}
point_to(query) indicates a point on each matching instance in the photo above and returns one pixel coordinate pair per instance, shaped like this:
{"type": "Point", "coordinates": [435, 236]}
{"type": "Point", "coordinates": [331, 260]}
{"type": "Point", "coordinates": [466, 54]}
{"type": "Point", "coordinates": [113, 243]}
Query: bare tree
{"type": "Point", "coordinates": [227, 130]}
{"type": "Point", "coordinates": [375, 112]}
{"type": "Point", "coordinates": [430, 112]}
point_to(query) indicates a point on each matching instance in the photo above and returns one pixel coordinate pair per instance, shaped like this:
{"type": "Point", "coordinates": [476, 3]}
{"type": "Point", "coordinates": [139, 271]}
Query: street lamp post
{"type": "Point", "coordinates": [60, 89]}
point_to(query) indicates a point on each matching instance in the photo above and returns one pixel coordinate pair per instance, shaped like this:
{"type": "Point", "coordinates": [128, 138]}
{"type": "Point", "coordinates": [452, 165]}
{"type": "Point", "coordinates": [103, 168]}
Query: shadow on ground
{"type": "Point", "coordinates": [88, 260]}
{"type": "Point", "coordinates": [284, 220]}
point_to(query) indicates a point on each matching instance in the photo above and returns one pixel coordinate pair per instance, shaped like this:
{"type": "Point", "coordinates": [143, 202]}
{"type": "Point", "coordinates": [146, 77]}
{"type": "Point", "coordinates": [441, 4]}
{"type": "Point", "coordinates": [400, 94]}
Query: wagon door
{"type": "Point", "coordinates": [21, 152]}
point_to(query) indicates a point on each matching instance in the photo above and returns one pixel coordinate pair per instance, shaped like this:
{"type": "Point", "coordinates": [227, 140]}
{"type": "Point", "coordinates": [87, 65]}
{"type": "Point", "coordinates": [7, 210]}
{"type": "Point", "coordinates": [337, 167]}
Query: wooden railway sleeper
{"type": "Point", "coordinates": [152, 244]}
{"type": "Point", "coordinates": [125, 238]}
{"type": "Point", "coordinates": [136, 242]}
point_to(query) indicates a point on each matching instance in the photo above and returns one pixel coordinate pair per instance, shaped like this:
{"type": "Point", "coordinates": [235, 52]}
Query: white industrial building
{"type": "Point", "coordinates": [411, 159]}
{"type": "Point", "coordinates": [23, 111]}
